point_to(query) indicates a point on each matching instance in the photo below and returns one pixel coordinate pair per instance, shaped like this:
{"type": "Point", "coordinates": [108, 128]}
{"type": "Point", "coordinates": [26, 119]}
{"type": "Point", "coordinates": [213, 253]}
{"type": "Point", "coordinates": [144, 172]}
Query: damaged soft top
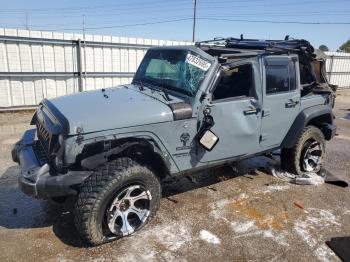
{"type": "Point", "coordinates": [311, 61]}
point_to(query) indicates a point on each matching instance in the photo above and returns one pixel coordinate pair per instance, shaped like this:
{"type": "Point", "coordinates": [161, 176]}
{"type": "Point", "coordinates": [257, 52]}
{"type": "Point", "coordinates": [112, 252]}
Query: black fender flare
{"type": "Point", "coordinates": [303, 119]}
{"type": "Point", "coordinates": [92, 161]}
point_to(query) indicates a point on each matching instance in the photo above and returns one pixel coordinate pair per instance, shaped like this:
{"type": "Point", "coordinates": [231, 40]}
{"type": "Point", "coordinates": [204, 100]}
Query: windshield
{"type": "Point", "coordinates": [177, 70]}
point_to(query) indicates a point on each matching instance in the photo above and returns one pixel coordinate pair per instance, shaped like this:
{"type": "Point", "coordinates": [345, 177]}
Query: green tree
{"type": "Point", "coordinates": [345, 47]}
{"type": "Point", "coordinates": [324, 48]}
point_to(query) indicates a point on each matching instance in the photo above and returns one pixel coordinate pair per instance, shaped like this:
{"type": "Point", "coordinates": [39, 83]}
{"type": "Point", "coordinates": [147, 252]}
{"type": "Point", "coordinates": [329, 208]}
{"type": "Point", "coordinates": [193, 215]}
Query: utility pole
{"type": "Point", "coordinates": [194, 20]}
{"type": "Point", "coordinates": [84, 27]}
{"type": "Point", "coordinates": [27, 25]}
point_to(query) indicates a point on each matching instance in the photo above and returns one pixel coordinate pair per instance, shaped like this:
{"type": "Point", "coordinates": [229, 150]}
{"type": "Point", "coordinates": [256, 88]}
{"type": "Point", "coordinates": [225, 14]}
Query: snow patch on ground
{"type": "Point", "coordinates": [278, 237]}
{"type": "Point", "coordinates": [244, 227]}
{"type": "Point", "coordinates": [217, 209]}
{"type": "Point", "coordinates": [274, 188]}
{"type": "Point", "coordinates": [171, 237]}
{"type": "Point", "coordinates": [317, 220]}
{"type": "Point", "coordinates": [324, 253]}
{"type": "Point", "coordinates": [209, 237]}
{"type": "Point", "coordinates": [243, 196]}
{"type": "Point", "coordinates": [346, 212]}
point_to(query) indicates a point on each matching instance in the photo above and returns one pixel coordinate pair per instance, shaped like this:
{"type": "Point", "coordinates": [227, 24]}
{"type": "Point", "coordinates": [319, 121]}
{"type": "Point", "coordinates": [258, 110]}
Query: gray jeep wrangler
{"type": "Point", "coordinates": [188, 108]}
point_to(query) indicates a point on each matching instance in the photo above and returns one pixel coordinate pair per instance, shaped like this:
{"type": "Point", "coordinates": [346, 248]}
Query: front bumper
{"type": "Point", "coordinates": [35, 179]}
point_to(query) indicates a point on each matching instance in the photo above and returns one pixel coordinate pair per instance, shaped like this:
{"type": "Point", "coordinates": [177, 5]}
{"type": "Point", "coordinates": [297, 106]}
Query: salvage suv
{"type": "Point", "coordinates": [188, 108]}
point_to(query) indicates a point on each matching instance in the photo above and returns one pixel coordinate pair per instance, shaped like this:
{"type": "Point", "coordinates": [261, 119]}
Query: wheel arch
{"type": "Point", "coordinates": [144, 150]}
{"type": "Point", "coordinates": [319, 116]}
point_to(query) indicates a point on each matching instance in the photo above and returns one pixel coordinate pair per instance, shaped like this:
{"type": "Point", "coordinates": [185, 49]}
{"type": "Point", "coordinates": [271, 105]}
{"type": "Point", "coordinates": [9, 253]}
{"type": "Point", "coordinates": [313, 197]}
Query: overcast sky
{"type": "Point", "coordinates": [263, 19]}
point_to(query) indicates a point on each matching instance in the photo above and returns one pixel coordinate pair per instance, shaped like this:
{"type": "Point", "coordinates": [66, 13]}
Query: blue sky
{"type": "Point", "coordinates": [172, 19]}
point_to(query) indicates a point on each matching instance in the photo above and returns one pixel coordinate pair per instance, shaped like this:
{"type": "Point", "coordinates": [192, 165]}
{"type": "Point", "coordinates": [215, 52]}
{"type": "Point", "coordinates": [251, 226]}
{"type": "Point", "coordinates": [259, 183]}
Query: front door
{"type": "Point", "coordinates": [281, 96]}
{"type": "Point", "coordinates": [235, 108]}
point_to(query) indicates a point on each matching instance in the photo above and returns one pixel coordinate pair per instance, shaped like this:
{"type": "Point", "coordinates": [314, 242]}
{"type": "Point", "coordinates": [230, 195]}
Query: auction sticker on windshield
{"type": "Point", "coordinates": [197, 62]}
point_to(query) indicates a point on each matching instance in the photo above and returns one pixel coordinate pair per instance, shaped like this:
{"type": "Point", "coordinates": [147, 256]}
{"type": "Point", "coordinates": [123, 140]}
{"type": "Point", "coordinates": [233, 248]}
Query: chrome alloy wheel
{"type": "Point", "coordinates": [129, 210]}
{"type": "Point", "coordinates": [311, 156]}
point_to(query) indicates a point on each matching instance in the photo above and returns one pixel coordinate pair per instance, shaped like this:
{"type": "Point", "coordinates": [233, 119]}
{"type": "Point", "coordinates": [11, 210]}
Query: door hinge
{"type": "Point", "coordinates": [266, 112]}
{"type": "Point", "coordinates": [262, 137]}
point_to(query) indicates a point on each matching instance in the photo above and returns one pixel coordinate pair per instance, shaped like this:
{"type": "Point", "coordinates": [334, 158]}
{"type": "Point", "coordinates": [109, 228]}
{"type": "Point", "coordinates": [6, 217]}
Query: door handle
{"type": "Point", "coordinates": [251, 110]}
{"type": "Point", "coordinates": [291, 103]}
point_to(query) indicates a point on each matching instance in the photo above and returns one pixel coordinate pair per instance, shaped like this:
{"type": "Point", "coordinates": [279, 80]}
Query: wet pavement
{"type": "Point", "coordinates": [240, 213]}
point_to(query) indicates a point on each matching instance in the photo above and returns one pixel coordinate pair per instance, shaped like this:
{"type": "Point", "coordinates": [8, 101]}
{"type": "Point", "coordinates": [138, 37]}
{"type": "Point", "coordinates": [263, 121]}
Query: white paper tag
{"type": "Point", "coordinates": [208, 140]}
{"type": "Point", "coordinates": [197, 62]}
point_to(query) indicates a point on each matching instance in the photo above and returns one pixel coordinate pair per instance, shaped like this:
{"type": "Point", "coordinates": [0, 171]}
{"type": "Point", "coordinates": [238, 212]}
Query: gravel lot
{"type": "Point", "coordinates": [238, 214]}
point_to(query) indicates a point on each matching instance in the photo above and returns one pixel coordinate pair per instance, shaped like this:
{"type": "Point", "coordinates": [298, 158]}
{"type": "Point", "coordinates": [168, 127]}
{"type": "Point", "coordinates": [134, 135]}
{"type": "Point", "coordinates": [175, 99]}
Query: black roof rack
{"type": "Point", "coordinates": [299, 46]}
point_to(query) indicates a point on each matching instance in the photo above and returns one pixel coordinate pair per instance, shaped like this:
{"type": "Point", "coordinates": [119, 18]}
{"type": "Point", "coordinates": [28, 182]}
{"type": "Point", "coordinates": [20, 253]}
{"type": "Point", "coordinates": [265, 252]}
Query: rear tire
{"type": "Point", "coordinates": [307, 155]}
{"type": "Point", "coordinates": [116, 200]}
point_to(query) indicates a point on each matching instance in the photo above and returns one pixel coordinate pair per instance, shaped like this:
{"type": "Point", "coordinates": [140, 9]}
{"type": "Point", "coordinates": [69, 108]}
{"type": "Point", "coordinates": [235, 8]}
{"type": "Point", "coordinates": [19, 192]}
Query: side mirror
{"type": "Point", "coordinates": [208, 139]}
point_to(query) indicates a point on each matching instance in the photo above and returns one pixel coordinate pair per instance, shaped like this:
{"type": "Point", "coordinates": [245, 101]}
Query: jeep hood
{"type": "Point", "coordinates": [111, 108]}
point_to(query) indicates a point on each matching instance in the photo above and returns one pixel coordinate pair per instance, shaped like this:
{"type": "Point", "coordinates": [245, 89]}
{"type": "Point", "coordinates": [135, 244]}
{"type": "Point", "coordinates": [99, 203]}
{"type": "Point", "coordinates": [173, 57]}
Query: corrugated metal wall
{"type": "Point", "coordinates": [39, 64]}
{"type": "Point", "coordinates": [338, 68]}
{"type": "Point", "coordinates": [35, 64]}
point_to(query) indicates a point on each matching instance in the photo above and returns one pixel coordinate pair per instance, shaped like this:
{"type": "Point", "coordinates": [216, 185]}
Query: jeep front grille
{"type": "Point", "coordinates": [43, 136]}
{"type": "Point", "coordinates": [40, 153]}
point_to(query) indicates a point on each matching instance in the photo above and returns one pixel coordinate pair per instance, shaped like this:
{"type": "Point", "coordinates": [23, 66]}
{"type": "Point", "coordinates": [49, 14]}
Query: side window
{"type": "Point", "coordinates": [292, 75]}
{"type": "Point", "coordinates": [280, 78]}
{"type": "Point", "coordinates": [236, 82]}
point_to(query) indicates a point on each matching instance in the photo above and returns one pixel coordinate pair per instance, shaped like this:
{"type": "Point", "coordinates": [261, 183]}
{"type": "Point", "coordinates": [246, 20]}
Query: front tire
{"type": "Point", "coordinates": [307, 155]}
{"type": "Point", "coordinates": [115, 201]}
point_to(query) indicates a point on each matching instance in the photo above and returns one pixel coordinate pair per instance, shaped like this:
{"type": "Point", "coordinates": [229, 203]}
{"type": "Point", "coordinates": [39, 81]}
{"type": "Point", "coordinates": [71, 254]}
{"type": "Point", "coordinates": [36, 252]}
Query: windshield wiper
{"type": "Point", "coordinates": [156, 87]}
{"type": "Point", "coordinates": [165, 93]}
{"type": "Point", "coordinates": [141, 87]}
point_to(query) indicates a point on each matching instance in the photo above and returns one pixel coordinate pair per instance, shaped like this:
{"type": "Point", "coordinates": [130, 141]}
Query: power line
{"type": "Point", "coordinates": [199, 18]}
{"type": "Point", "coordinates": [162, 4]}
{"type": "Point", "coordinates": [127, 6]}
{"type": "Point", "coordinates": [126, 25]}
{"type": "Point", "coordinates": [278, 13]}
{"type": "Point", "coordinates": [273, 22]}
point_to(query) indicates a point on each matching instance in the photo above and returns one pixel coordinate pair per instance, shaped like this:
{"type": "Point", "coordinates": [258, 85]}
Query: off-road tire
{"type": "Point", "coordinates": [291, 157]}
{"type": "Point", "coordinates": [98, 190]}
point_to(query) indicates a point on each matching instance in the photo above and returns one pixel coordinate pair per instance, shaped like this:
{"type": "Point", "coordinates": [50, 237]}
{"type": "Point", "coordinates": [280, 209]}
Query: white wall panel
{"type": "Point", "coordinates": [49, 58]}
{"type": "Point", "coordinates": [107, 60]}
{"type": "Point", "coordinates": [99, 83]}
{"type": "Point", "coordinates": [50, 86]}
{"type": "Point", "coordinates": [116, 61]}
{"type": "Point", "coordinates": [17, 92]}
{"type": "Point", "coordinates": [14, 64]}
{"type": "Point", "coordinates": [5, 94]}
{"type": "Point", "coordinates": [89, 59]}
{"type": "Point", "coordinates": [28, 92]}
{"type": "Point", "coordinates": [46, 58]}
{"type": "Point", "coordinates": [25, 57]}
{"type": "Point", "coordinates": [61, 86]}
{"type": "Point", "coordinates": [3, 58]}
{"type": "Point", "coordinates": [59, 56]}
{"type": "Point", "coordinates": [338, 68]}
{"type": "Point", "coordinates": [39, 90]}
{"type": "Point", "coordinates": [37, 58]}
{"type": "Point", "coordinates": [98, 59]}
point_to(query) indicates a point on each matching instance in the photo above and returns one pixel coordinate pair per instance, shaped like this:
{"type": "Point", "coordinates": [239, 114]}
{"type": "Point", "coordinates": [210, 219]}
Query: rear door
{"type": "Point", "coordinates": [281, 98]}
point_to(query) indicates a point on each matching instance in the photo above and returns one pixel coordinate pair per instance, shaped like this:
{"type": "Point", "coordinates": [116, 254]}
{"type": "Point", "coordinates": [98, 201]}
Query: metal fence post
{"type": "Point", "coordinates": [79, 66]}
{"type": "Point", "coordinates": [331, 68]}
